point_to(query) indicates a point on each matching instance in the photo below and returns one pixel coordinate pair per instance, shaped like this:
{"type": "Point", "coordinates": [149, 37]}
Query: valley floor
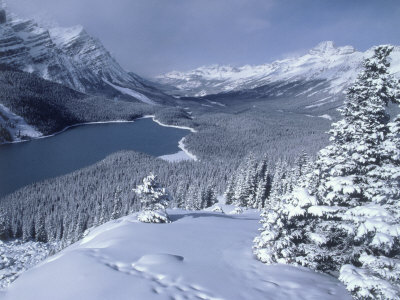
{"type": "Point", "coordinates": [200, 255]}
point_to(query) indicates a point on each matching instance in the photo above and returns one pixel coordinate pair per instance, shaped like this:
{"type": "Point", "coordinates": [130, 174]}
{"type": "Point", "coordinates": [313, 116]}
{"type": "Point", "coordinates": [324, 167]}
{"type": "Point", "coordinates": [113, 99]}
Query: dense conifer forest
{"type": "Point", "coordinates": [334, 210]}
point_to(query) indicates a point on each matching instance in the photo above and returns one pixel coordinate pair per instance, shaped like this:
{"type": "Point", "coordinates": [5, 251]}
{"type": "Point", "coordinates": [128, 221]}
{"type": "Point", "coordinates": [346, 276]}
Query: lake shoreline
{"type": "Point", "coordinates": [69, 127]}
{"type": "Point", "coordinates": [181, 145]}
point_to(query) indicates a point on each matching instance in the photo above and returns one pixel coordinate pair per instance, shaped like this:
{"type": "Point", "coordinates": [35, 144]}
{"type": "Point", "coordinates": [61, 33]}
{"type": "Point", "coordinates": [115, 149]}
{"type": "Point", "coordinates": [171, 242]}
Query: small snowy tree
{"type": "Point", "coordinates": [154, 200]}
{"type": "Point", "coordinates": [40, 229]}
{"type": "Point", "coordinates": [250, 185]}
{"type": "Point", "coordinates": [209, 197]}
{"type": "Point", "coordinates": [230, 190]}
{"type": "Point", "coordinates": [117, 205]}
{"type": "Point", "coordinates": [3, 225]}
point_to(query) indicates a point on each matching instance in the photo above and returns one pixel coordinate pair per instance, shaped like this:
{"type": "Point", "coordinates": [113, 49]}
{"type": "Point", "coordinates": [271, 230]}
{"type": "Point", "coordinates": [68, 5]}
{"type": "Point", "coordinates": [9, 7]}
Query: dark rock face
{"type": "Point", "coordinates": [3, 17]}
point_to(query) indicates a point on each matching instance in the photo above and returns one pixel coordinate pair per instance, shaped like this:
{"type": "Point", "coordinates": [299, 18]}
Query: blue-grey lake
{"type": "Point", "coordinates": [24, 163]}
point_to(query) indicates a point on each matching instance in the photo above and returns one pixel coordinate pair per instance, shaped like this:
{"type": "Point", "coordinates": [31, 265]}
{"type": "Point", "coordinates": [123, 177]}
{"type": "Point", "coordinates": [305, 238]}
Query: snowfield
{"type": "Point", "coordinates": [339, 66]}
{"type": "Point", "coordinates": [200, 255]}
{"type": "Point", "coordinates": [132, 93]}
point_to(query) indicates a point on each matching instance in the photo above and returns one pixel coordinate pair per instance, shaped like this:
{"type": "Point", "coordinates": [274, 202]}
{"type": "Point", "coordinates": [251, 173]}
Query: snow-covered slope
{"type": "Point", "coordinates": [201, 255]}
{"type": "Point", "coordinates": [331, 69]}
{"type": "Point", "coordinates": [16, 126]}
{"type": "Point", "coordinates": [69, 56]}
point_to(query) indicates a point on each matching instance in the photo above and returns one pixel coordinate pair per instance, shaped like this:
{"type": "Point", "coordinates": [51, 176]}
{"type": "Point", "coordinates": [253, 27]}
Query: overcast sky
{"type": "Point", "coordinates": [156, 36]}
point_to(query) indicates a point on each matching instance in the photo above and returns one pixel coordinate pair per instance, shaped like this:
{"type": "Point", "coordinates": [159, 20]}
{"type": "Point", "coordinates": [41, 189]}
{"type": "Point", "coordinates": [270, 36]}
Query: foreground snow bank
{"type": "Point", "coordinates": [201, 255]}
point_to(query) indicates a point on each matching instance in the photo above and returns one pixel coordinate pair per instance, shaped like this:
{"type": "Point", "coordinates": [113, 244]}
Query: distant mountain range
{"type": "Point", "coordinates": [320, 75]}
{"type": "Point", "coordinates": [70, 56]}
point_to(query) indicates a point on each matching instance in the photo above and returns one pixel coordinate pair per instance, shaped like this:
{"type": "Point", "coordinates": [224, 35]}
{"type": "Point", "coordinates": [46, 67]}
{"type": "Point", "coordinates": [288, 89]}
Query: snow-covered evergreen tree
{"type": "Point", "coordinates": [80, 227]}
{"type": "Point", "coordinates": [345, 216]}
{"type": "Point", "coordinates": [192, 198]}
{"type": "Point", "coordinates": [250, 185]}
{"type": "Point", "coordinates": [40, 229]}
{"type": "Point", "coordinates": [261, 187]}
{"type": "Point", "coordinates": [209, 197]}
{"type": "Point", "coordinates": [230, 190]}
{"type": "Point", "coordinates": [279, 185]}
{"type": "Point", "coordinates": [117, 205]}
{"type": "Point", "coordinates": [3, 225]}
{"type": "Point", "coordinates": [180, 195]}
{"type": "Point", "coordinates": [154, 200]}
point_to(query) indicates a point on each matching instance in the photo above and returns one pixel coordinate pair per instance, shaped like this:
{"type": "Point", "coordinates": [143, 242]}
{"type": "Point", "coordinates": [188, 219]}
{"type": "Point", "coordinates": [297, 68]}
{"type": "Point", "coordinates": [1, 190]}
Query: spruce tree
{"type": "Point", "coordinates": [3, 225]}
{"type": "Point", "coordinates": [154, 200]}
{"type": "Point", "coordinates": [230, 190]}
{"type": "Point", "coordinates": [40, 229]}
{"type": "Point", "coordinates": [117, 205]}
{"type": "Point", "coordinates": [344, 216]}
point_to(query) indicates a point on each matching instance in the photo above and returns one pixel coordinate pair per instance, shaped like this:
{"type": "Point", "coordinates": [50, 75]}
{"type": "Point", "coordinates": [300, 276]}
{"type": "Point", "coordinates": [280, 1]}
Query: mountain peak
{"type": "Point", "coordinates": [329, 48]}
{"type": "Point", "coordinates": [64, 35]}
{"type": "Point", "coordinates": [324, 47]}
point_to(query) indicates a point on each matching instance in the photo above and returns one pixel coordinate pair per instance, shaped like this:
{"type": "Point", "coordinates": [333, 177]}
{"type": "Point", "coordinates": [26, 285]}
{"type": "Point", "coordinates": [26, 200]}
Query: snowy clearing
{"type": "Point", "coordinates": [326, 116]}
{"type": "Point", "coordinates": [132, 93]}
{"type": "Point", "coordinates": [201, 255]}
{"type": "Point", "coordinates": [16, 125]}
{"type": "Point", "coordinates": [181, 145]}
{"type": "Point", "coordinates": [166, 125]}
{"type": "Point", "coordinates": [181, 155]}
{"type": "Point", "coordinates": [176, 157]}
{"type": "Point", "coordinates": [216, 103]}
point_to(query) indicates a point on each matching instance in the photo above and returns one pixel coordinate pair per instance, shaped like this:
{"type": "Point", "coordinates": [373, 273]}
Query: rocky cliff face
{"type": "Point", "coordinates": [69, 56]}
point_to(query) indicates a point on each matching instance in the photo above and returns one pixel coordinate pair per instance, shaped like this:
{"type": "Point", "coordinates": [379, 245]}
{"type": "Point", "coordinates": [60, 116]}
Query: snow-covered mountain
{"type": "Point", "coordinates": [69, 56]}
{"type": "Point", "coordinates": [331, 69]}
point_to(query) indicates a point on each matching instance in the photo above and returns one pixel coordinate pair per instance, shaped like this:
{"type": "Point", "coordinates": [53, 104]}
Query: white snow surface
{"type": "Point", "coordinates": [63, 36]}
{"type": "Point", "coordinates": [181, 155]}
{"type": "Point", "coordinates": [132, 93]}
{"type": "Point", "coordinates": [326, 116]}
{"type": "Point", "coordinates": [19, 128]}
{"type": "Point", "coordinates": [200, 255]}
{"type": "Point", "coordinates": [166, 125]}
{"type": "Point", "coordinates": [176, 157]}
{"type": "Point", "coordinates": [337, 65]}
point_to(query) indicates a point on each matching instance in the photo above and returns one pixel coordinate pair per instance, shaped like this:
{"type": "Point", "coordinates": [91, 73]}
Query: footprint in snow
{"type": "Point", "coordinates": [161, 283]}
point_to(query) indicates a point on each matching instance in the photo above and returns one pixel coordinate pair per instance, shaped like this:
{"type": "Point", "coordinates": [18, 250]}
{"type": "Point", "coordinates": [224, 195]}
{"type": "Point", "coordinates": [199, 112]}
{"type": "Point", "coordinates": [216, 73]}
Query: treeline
{"type": "Point", "coordinates": [260, 182]}
{"type": "Point", "coordinates": [232, 132]}
{"type": "Point", "coordinates": [50, 107]}
{"type": "Point", "coordinates": [63, 208]}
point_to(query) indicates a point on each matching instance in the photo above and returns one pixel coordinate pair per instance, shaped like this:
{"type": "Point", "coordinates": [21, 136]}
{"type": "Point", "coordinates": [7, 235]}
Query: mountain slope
{"type": "Point", "coordinates": [322, 74]}
{"type": "Point", "coordinates": [31, 106]}
{"type": "Point", "coordinates": [201, 255]}
{"type": "Point", "coordinates": [69, 56]}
